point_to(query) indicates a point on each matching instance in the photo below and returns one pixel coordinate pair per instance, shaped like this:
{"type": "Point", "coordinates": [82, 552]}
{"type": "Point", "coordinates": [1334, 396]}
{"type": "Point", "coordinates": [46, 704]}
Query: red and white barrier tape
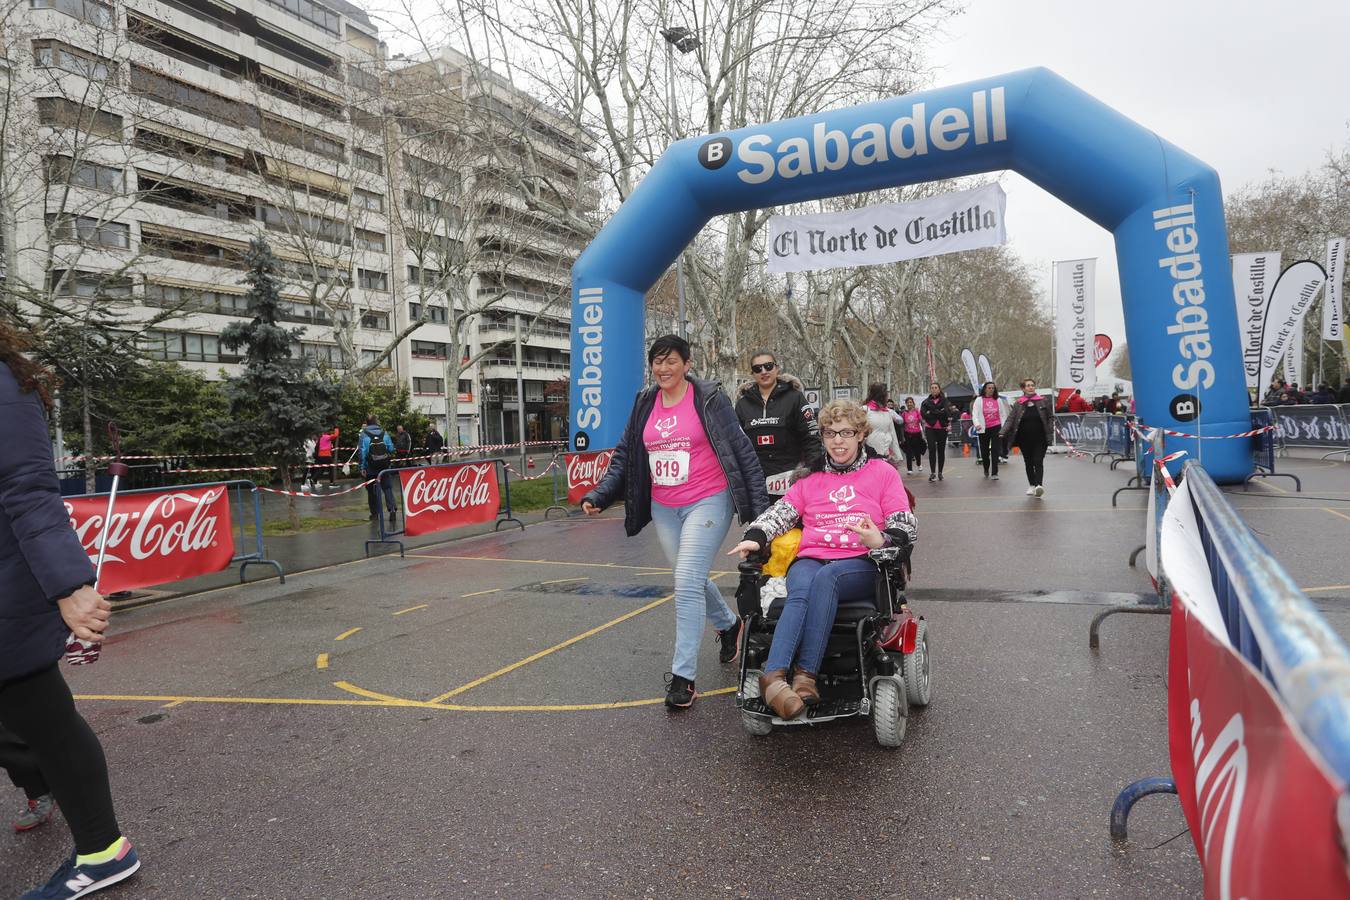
{"type": "Point", "coordinates": [1073, 451]}
{"type": "Point", "coordinates": [1162, 469]}
{"type": "Point", "coordinates": [310, 494]}
{"type": "Point", "coordinates": [449, 450]}
{"type": "Point", "coordinates": [540, 474]}
{"type": "Point", "coordinates": [1207, 437]}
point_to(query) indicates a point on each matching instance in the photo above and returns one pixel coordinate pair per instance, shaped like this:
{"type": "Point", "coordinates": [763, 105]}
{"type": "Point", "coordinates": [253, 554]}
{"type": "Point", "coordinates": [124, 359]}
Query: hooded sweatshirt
{"type": "Point", "coordinates": [783, 428]}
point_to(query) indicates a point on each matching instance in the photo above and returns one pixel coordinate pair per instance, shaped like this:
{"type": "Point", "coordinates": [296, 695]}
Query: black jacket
{"type": "Point", "coordinates": [41, 559]}
{"type": "Point", "coordinates": [935, 412]}
{"type": "Point", "coordinates": [783, 428]}
{"type": "Point", "coordinates": [1019, 408]}
{"type": "Point", "coordinates": [630, 475]}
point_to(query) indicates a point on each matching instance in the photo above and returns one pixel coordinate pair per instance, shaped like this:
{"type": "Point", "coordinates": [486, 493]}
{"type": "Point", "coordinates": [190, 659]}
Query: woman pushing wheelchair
{"type": "Point", "coordinates": [838, 503]}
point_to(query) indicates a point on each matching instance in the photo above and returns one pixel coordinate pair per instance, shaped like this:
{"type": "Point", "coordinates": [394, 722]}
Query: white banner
{"type": "Point", "coordinates": [1254, 275]}
{"type": "Point", "coordinates": [888, 232]}
{"type": "Point", "coordinates": [1075, 325]}
{"type": "Point", "coordinates": [1293, 360]}
{"type": "Point", "coordinates": [1290, 300]}
{"type": "Point", "coordinates": [1333, 319]}
{"type": "Point", "coordinates": [985, 368]}
{"type": "Point", "coordinates": [968, 360]}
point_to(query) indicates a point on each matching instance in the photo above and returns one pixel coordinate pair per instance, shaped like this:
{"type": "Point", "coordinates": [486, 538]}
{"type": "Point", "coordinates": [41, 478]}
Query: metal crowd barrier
{"type": "Point", "coordinates": [1318, 426]}
{"type": "Point", "coordinates": [1264, 448]}
{"type": "Point", "coordinates": [390, 535]}
{"type": "Point", "coordinates": [1272, 625]}
{"type": "Point", "coordinates": [239, 533]}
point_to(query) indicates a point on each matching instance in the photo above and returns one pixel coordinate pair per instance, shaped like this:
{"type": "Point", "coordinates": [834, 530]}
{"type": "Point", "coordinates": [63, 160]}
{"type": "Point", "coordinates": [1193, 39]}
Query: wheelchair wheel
{"type": "Point", "coordinates": [890, 713]}
{"type": "Point", "coordinates": [918, 670]}
{"type": "Point", "coordinates": [756, 725]}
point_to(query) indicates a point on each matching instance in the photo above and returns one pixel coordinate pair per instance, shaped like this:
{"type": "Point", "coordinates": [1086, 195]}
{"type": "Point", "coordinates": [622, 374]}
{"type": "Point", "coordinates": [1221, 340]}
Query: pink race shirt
{"type": "Point", "coordinates": [913, 421]}
{"type": "Point", "coordinates": [684, 467]}
{"type": "Point", "coordinates": [990, 412]}
{"type": "Point", "coordinates": [829, 503]}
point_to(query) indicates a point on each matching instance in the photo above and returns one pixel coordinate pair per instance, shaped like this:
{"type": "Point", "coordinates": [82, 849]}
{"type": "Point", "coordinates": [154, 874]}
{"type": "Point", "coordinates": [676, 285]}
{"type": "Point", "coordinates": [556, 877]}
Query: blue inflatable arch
{"type": "Point", "coordinates": [1164, 207]}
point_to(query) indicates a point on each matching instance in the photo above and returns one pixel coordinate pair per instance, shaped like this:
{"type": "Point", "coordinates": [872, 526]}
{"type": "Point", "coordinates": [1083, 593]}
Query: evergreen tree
{"type": "Point", "coordinates": [278, 401]}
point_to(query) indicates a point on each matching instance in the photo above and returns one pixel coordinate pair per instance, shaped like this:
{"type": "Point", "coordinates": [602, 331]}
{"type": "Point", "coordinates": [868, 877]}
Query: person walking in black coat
{"type": "Point", "coordinates": [773, 411]}
{"type": "Point", "coordinates": [46, 593]}
{"type": "Point", "coordinates": [937, 422]}
{"type": "Point", "coordinates": [1032, 429]}
{"type": "Point", "coordinates": [685, 464]}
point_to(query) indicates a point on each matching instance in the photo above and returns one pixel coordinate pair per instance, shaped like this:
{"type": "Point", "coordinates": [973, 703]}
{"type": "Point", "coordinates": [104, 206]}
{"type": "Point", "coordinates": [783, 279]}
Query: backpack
{"type": "Point", "coordinates": [377, 457]}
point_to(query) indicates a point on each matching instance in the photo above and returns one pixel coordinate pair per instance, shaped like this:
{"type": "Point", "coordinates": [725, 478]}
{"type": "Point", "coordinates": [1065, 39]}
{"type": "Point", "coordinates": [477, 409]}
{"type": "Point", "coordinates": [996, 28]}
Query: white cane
{"type": "Point", "coordinates": [81, 652]}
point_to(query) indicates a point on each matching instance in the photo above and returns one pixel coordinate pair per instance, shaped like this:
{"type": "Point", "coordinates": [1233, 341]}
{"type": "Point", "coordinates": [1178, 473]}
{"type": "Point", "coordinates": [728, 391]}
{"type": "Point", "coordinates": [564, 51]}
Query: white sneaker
{"type": "Point", "coordinates": [1040, 491]}
{"type": "Point", "coordinates": [1031, 492]}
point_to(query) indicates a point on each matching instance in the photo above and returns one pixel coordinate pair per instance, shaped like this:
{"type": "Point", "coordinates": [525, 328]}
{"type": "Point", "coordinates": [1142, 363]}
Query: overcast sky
{"type": "Point", "coordinates": [1245, 86]}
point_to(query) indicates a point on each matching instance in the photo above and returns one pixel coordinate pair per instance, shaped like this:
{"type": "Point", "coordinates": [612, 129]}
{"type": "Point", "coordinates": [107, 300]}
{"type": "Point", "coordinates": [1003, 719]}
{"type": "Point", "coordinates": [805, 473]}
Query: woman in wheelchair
{"type": "Point", "coordinates": [837, 503]}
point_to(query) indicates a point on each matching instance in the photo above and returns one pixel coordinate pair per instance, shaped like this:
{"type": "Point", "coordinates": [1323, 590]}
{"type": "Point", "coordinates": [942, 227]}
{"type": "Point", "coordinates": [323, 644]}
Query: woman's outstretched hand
{"type": "Point", "coordinates": [745, 548]}
{"type": "Point", "coordinates": [867, 532]}
{"type": "Point", "coordinates": [590, 508]}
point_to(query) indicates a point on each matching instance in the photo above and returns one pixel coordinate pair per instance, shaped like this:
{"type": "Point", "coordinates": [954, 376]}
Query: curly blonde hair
{"type": "Point", "coordinates": [847, 411]}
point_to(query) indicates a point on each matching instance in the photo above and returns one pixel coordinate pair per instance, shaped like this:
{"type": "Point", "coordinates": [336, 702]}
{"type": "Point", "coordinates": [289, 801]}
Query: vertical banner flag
{"type": "Point", "coordinates": [156, 537]}
{"type": "Point", "coordinates": [888, 232]}
{"type": "Point", "coordinates": [1075, 325]}
{"type": "Point", "coordinates": [986, 369]}
{"type": "Point", "coordinates": [1293, 360]}
{"type": "Point", "coordinates": [439, 497]}
{"type": "Point", "coordinates": [1254, 275]}
{"type": "Point", "coordinates": [1333, 320]}
{"type": "Point", "coordinates": [968, 360]}
{"type": "Point", "coordinates": [1290, 300]}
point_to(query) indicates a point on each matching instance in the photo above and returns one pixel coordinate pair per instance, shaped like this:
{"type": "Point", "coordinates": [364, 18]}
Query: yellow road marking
{"type": "Point", "coordinates": [371, 695]}
{"type": "Point", "coordinates": [1327, 587]}
{"type": "Point", "coordinates": [173, 704]}
{"type": "Point", "coordinates": [1274, 487]}
{"type": "Point", "coordinates": [389, 703]}
{"type": "Point", "coordinates": [412, 609]}
{"type": "Point", "coordinates": [566, 580]}
{"type": "Point", "coordinates": [322, 661]}
{"type": "Point", "coordinates": [1336, 512]}
{"type": "Point", "coordinates": [554, 649]}
{"type": "Point", "coordinates": [480, 593]}
{"type": "Point", "coordinates": [348, 633]}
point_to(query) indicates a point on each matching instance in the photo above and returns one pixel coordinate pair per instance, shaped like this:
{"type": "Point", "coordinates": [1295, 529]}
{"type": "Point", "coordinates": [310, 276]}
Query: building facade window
{"type": "Point", "coordinates": [91, 11]}
{"type": "Point", "coordinates": [369, 240]}
{"type": "Point", "coordinates": [428, 349]}
{"type": "Point", "coordinates": [93, 285]}
{"type": "Point", "coordinates": [372, 280]}
{"type": "Point", "coordinates": [374, 320]}
{"type": "Point", "coordinates": [429, 386]}
{"type": "Point", "coordinates": [368, 161]}
{"type": "Point", "coordinates": [437, 315]}
{"type": "Point", "coordinates": [367, 199]}
{"type": "Point", "coordinates": [186, 346]}
{"type": "Point", "coordinates": [303, 138]}
{"type": "Point", "coordinates": [62, 170]}
{"type": "Point", "coordinates": [56, 55]}
{"type": "Point", "coordinates": [59, 112]}
{"type": "Point", "coordinates": [89, 230]}
{"type": "Point", "coordinates": [320, 17]}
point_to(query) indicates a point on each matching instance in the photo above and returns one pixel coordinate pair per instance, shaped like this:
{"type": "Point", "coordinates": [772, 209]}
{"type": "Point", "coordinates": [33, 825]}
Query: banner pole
{"type": "Point", "coordinates": [1054, 330]}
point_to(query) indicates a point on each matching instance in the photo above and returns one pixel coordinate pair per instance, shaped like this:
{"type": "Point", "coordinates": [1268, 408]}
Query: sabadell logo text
{"type": "Point", "coordinates": [828, 149]}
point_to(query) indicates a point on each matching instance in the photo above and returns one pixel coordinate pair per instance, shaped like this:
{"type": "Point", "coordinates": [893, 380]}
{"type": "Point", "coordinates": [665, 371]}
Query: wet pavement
{"type": "Point", "coordinates": [483, 718]}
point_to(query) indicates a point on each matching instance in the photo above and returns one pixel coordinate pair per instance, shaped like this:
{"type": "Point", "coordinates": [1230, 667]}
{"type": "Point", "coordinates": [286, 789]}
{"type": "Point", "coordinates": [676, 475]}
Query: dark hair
{"type": "Point", "coordinates": [938, 383]}
{"type": "Point", "coordinates": [987, 384]}
{"type": "Point", "coordinates": [31, 376]}
{"type": "Point", "coordinates": [758, 353]}
{"type": "Point", "coordinates": [666, 344]}
{"type": "Point", "coordinates": [876, 393]}
{"type": "Point", "coordinates": [373, 420]}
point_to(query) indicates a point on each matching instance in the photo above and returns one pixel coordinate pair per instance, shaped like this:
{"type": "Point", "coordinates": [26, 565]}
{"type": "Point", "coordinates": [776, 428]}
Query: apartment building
{"type": "Point", "coordinates": [161, 135]}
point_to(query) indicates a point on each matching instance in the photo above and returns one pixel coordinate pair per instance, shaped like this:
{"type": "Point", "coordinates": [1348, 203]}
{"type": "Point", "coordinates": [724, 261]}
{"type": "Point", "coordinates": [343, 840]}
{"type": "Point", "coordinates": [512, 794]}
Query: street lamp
{"type": "Point", "coordinates": [685, 41]}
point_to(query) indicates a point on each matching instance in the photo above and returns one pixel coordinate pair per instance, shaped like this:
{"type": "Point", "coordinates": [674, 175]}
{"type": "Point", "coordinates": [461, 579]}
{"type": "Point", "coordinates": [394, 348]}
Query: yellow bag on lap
{"type": "Point", "coordinates": [782, 552]}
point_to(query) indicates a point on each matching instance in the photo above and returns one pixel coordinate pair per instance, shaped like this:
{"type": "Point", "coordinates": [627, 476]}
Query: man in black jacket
{"type": "Point", "coordinates": [774, 414]}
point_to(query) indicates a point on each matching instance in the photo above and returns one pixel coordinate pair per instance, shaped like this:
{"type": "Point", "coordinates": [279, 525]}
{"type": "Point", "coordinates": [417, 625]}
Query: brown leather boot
{"type": "Point", "coordinates": [775, 690]}
{"type": "Point", "coordinates": [804, 686]}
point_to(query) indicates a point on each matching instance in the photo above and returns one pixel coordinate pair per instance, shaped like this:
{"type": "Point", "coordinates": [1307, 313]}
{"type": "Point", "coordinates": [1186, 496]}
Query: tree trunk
{"type": "Point", "coordinates": [292, 512]}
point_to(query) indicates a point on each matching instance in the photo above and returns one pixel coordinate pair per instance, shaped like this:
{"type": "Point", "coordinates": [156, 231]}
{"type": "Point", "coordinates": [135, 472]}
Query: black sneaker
{"type": "Point", "coordinates": [730, 641]}
{"type": "Point", "coordinates": [932, 477]}
{"type": "Point", "coordinates": [680, 693]}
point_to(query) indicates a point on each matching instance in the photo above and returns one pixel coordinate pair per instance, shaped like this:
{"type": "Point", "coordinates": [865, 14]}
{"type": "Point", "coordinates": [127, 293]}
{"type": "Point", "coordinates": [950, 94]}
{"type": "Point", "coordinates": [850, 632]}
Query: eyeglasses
{"type": "Point", "coordinates": [828, 433]}
{"type": "Point", "coordinates": [760, 368]}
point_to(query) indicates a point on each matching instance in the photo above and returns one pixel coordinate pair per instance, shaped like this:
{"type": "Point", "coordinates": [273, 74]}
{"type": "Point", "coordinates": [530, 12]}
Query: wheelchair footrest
{"type": "Point", "coordinates": [824, 711]}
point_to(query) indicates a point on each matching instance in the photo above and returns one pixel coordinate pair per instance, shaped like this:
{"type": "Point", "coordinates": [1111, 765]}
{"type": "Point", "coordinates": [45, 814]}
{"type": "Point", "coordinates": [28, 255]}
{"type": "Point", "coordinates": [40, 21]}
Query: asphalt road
{"type": "Point", "coordinates": [483, 718]}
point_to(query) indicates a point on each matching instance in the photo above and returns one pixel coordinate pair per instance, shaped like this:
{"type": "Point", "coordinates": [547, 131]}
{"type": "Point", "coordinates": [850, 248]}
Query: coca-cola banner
{"type": "Point", "coordinates": [439, 497]}
{"type": "Point", "coordinates": [584, 471]}
{"type": "Point", "coordinates": [1254, 791]}
{"type": "Point", "coordinates": [156, 537]}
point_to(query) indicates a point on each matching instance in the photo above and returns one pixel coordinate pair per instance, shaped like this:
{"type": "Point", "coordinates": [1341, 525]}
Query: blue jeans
{"type": "Point", "coordinates": [814, 589]}
{"type": "Point", "coordinates": [690, 537]}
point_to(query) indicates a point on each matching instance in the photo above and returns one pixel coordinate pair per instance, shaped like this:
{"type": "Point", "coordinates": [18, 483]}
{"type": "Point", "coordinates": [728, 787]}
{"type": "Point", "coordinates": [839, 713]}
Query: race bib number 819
{"type": "Point", "coordinates": [669, 467]}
